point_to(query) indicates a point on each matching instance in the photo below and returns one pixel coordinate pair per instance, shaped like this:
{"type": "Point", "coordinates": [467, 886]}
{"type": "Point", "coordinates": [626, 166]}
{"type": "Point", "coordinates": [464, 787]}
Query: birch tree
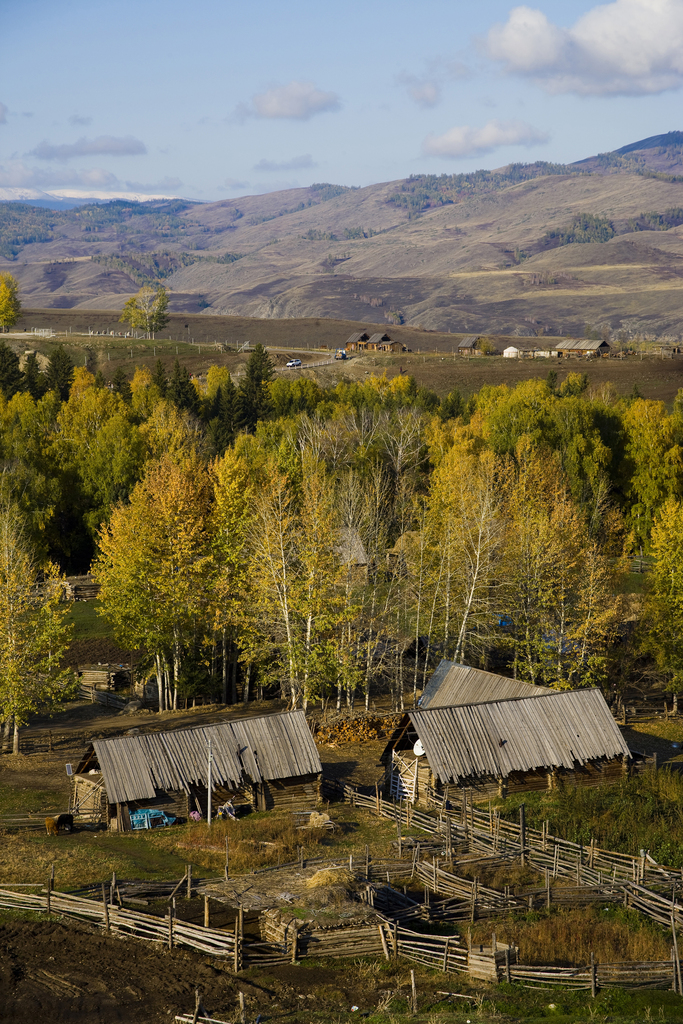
{"type": "Point", "coordinates": [34, 633]}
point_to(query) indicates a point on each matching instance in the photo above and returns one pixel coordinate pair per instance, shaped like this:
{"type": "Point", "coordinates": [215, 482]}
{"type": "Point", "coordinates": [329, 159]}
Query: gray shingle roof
{"type": "Point", "coordinates": [585, 345]}
{"type": "Point", "coordinates": [556, 729]}
{"type": "Point", "coordinates": [269, 747]}
{"type": "Point", "coordinates": [459, 684]}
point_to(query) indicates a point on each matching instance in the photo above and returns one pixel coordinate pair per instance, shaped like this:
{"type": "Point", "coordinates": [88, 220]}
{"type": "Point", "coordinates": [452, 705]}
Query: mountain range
{"type": "Point", "coordinates": [525, 249]}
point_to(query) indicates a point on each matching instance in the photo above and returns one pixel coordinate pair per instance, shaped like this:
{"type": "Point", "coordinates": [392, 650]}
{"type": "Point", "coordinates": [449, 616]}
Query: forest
{"type": "Point", "coordinates": [269, 536]}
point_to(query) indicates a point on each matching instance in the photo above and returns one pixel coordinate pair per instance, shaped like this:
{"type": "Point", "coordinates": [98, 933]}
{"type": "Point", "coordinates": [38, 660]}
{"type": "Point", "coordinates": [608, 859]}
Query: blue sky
{"type": "Point", "coordinates": [219, 98]}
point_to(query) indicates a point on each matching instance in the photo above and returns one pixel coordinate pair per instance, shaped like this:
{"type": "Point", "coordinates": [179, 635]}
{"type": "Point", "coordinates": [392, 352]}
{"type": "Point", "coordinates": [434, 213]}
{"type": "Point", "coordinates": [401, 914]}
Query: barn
{"type": "Point", "coordinates": [505, 746]}
{"type": "Point", "coordinates": [264, 763]}
{"type": "Point", "coordinates": [584, 347]}
{"type": "Point", "coordinates": [460, 684]}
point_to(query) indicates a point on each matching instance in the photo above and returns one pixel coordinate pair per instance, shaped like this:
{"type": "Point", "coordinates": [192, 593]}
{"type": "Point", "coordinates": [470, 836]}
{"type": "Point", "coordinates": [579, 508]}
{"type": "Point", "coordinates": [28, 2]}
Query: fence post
{"type": "Point", "coordinates": [522, 834]}
{"type": "Point", "coordinates": [594, 977]}
{"type": "Point", "coordinates": [395, 937]}
{"type": "Point", "coordinates": [206, 911]}
{"type": "Point", "coordinates": [507, 966]}
{"type": "Point", "coordinates": [236, 959]}
{"type": "Point", "coordinates": [189, 881]}
{"type": "Point", "coordinates": [106, 908]}
{"type": "Point", "coordinates": [170, 928]}
{"type": "Point", "coordinates": [414, 990]}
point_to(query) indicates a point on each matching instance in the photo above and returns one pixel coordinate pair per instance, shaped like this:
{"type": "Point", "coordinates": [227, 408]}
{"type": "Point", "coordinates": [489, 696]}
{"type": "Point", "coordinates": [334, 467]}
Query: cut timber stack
{"type": "Point", "coordinates": [81, 588]}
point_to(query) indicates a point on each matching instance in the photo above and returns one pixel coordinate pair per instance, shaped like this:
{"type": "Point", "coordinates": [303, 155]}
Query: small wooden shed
{"type": "Point", "coordinates": [266, 762]}
{"type": "Point", "coordinates": [452, 683]}
{"type": "Point", "coordinates": [505, 746]}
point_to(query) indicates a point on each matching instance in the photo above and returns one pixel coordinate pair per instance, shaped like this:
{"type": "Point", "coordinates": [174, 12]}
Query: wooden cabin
{"type": "Point", "coordinates": [468, 346]}
{"type": "Point", "coordinates": [378, 341]}
{"type": "Point", "coordinates": [584, 347]}
{"type": "Point", "coordinates": [352, 553]}
{"type": "Point", "coordinates": [505, 746]}
{"type": "Point", "coordinates": [357, 342]}
{"type": "Point", "coordinates": [460, 684]}
{"type": "Point", "coordinates": [264, 763]}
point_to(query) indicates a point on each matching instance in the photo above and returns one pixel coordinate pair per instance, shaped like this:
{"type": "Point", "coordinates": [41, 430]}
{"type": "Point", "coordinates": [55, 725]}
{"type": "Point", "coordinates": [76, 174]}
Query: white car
{"type": "Point", "coordinates": [293, 363]}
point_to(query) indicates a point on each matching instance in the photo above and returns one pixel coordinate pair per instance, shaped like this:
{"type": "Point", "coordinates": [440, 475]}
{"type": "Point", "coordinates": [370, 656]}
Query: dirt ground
{"type": "Point", "coordinates": [61, 971]}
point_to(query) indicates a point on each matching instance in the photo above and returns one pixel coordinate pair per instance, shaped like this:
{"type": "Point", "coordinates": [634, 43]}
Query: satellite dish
{"type": "Point", "coordinates": [418, 749]}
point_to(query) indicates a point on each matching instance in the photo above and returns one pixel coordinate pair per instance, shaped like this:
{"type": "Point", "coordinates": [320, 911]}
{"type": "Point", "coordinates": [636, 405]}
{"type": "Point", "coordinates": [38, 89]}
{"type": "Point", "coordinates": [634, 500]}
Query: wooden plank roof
{"type": "Point", "coordinates": [357, 336]}
{"type": "Point", "coordinates": [460, 684]}
{"type": "Point", "coordinates": [583, 345]}
{"type": "Point", "coordinates": [380, 336]}
{"type": "Point", "coordinates": [469, 342]}
{"type": "Point", "coordinates": [256, 749]}
{"type": "Point", "coordinates": [554, 730]}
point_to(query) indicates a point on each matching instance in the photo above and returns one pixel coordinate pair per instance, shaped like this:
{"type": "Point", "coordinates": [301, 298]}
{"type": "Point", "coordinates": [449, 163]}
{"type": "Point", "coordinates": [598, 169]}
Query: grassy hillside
{"type": "Point", "coordinates": [528, 247]}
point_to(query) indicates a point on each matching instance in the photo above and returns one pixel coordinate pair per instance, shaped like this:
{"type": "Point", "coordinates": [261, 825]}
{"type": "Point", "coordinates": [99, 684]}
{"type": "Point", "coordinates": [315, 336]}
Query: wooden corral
{"type": "Point", "coordinates": [505, 746]}
{"type": "Point", "coordinates": [265, 763]}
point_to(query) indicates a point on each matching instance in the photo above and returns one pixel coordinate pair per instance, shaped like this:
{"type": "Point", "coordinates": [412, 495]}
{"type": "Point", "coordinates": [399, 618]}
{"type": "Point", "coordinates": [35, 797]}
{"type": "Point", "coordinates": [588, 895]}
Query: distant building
{"type": "Point", "coordinates": [585, 347]}
{"type": "Point", "coordinates": [468, 345]}
{"type": "Point", "coordinates": [378, 341]}
{"type": "Point", "coordinates": [357, 342]}
{"type": "Point", "coordinates": [530, 350]}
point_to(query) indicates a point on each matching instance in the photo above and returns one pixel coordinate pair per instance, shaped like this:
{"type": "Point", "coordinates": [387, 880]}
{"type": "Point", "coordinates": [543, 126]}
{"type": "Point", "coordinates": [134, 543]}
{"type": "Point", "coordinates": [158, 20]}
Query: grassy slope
{"type": "Point", "coordinates": [452, 267]}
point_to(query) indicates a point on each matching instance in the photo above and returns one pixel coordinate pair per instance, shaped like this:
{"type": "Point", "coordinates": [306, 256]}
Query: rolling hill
{"type": "Point", "coordinates": [522, 249]}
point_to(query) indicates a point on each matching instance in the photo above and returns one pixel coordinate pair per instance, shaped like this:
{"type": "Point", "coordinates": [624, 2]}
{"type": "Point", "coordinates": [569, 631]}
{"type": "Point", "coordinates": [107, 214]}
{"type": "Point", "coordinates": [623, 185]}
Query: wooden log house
{"type": "Point", "coordinates": [505, 746]}
{"type": "Point", "coordinates": [265, 763]}
{"type": "Point", "coordinates": [452, 683]}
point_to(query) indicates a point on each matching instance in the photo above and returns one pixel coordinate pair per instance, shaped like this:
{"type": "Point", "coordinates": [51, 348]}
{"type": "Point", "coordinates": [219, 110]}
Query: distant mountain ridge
{"type": "Point", "coordinates": [524, 248]}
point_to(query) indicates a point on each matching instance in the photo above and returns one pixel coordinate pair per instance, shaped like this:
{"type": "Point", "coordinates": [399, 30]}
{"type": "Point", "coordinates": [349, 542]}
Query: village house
{"type": "Point", "coordinates": [264, 763]}
{"type": "Point", "coordinates": [585, 347]}
{"type": "Point", "coordinates": [451, 683]}
{"type": "Point", "coordinates": [505, 746]}
{"type": "Point", "coordinates": [357, 342]}
{"type": "Point", "coordinates": [468, 346]}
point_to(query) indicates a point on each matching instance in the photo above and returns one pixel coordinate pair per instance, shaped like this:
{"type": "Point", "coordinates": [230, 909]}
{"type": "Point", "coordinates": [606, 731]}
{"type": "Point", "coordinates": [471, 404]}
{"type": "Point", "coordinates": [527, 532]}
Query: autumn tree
{"type": "Point", "coordinates": [662, 627]}
{"type": "Point", "coordinates": [34, 631]}
{"type": "Point", "coordinates": [147, 311]}
{"type": "Point", "coordinates": [154, 564]}
{"type": "Point", "coordinates": [10, 304]}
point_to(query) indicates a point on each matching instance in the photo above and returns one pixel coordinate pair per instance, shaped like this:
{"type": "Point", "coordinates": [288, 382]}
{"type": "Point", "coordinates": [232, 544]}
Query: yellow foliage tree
{"type": "Point", "coordinates": [34, 632]}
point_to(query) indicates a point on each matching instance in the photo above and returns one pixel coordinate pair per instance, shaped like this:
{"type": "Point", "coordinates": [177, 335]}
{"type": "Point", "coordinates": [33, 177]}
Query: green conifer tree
{"type": "Point", "coordinates": [159, 378]}
{"type": "Point", "coordinates": [181, 390]}
{"type": "Point", "coordinates": [34, 380]}
{"type": "Point", "coordinates": [222, 422]}
{"type": "Point", "coordinates": [253, 401]}
{"type": "Point", "coordinates": [121, 386]}
{"type": "Point", "coordinates": [11, 377]}
{"type": "Point", "coordinates": [60, 373]}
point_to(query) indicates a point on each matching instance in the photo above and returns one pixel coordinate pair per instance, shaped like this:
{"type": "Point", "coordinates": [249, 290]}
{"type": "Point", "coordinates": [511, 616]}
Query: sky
{"type": "Point", "coordinates": [220, 98]}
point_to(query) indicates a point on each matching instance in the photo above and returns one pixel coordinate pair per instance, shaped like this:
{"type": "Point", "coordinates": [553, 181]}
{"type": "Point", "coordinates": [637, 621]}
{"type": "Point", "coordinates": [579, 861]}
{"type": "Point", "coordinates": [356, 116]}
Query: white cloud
{"type": "Point", "coordinates": [628, 47]}
{"type": "Point", "coordinates": [103, 145]}
{"type": "Point", "coordinates": [425, 90]}
{"type": "Point", "coordinates": [17, 173]}
{"type": "Point", "coordinates": [467, 141]}
{"type": "Point", "coordinates": [297, 101]}
{"type": "Point", "coordinates": [295, 164]}
{"type": "Point", "coordinates": [3, 114]}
